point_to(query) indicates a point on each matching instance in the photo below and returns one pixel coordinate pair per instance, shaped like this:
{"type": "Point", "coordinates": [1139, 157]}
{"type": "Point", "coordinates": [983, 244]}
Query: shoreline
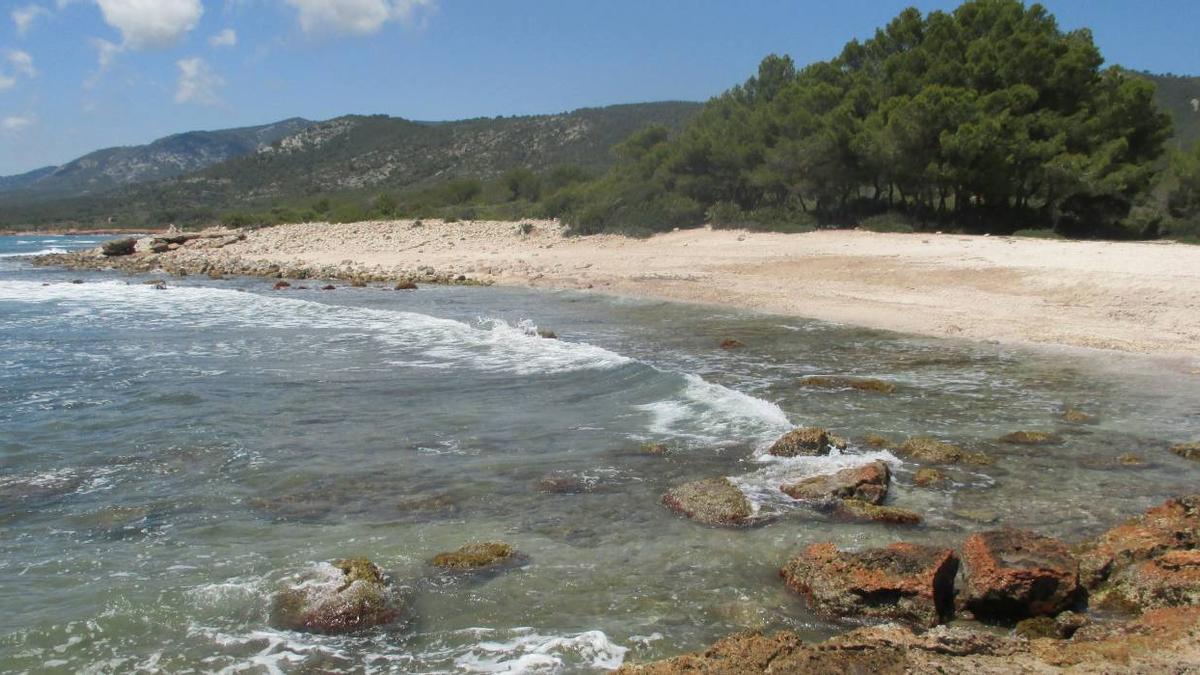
{"type": "Point", "coordinates": [1116, 297]}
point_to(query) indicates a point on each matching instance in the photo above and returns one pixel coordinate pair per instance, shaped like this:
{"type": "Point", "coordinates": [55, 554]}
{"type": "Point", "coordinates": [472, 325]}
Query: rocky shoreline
{"type": "Point", "coordinates": [206, 253]}
{"type": "Point", "coordinates": [1002, 600]}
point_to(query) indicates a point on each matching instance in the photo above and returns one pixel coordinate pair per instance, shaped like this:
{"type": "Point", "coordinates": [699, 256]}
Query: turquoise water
{"type": "Point", "coordinates": [169, 458]}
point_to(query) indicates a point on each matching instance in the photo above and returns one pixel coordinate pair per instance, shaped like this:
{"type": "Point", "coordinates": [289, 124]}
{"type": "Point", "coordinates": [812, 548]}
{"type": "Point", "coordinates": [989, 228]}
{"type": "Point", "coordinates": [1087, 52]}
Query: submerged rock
{"type": "Point", "coordinates": [929, 477]}
{"type": "Point", "coordinates": [903, 582]}
{"type": "Point", "coordinates": [1187, 450]}
{"type": "Point", "coordinates": [855, 509]}
{"type": "Point", "coordinates": [280, 285]}
{"type": "Point", "coordinates": [731, 343]}
{"type": "Point", "coordinates": [1077, 416]}
{"type": "Point", "coordinates": [564, 484]}
{"type": "Point", "coordinates": [877, 441]}
{"type": "Point", "coordinates": [1030, 438]}
{"type": "Point", "coordinates": [868, 483]}
{"type": "Point", "coordinates": [342, 597]}
{"type": "Point", "coordinates": [656, 449]}
{"type": "Point", "coordinates": [804, 441]}
{"type": "Point", "coordinates": [475, 556]}
{"type": "Point", "coordinates": [926, 449]}
{"type": "Point", "coordinates": [712, 501]}
{"type": "Point", "coordinates": [1013, 574]}
{"type": "Point", "coordinates": [857, 383]}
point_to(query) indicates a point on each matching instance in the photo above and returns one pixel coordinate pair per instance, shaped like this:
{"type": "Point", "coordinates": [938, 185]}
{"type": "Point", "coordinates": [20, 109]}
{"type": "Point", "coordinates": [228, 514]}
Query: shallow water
{"type": "Point", "coordinates": [169, 457]}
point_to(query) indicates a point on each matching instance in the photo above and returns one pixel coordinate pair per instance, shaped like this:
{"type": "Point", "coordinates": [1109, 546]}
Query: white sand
{"type": "Point", "coordinates": [1130, 297]}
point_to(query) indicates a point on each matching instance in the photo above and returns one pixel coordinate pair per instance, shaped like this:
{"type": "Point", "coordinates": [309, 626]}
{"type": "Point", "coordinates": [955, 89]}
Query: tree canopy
{"type": "Point", "coordinates": [989, 116]}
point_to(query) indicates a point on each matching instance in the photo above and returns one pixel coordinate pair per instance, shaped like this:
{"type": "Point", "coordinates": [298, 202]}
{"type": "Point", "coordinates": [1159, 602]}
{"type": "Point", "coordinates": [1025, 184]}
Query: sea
{"type": "Point", "coordinates": [171, 454]}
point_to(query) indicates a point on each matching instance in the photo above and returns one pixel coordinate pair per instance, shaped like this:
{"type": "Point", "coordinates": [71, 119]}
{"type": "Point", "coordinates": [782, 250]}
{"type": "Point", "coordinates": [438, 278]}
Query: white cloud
{"type": "Point", "coordinates": [226, 38]}
{"type": "Point", "coordinates": [197, 82]}
{"type": "Point", "coordinates": [7, 82]}
{"type": "Point", "coordinates": [21, 63]}
{"type": "Point", "coordinates": [15, 123]}
{"type": "Point", "coordinates": [358, 17]}
{"type": "Point", "coordinates": [25, 17]}
{"type": "Point", "coordinates": [150, 24]}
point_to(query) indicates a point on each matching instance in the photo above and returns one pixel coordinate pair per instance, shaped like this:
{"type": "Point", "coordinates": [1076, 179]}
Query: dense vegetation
{"type": "Point", "coordinates": [988, 118]}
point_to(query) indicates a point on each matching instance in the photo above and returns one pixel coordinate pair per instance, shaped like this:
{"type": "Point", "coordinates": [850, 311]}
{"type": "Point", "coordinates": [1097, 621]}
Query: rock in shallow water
{"type": "Point", "coordinates": [802, 442]}
{"type": "Point", "coordinates": [903, 582]}
{"type": "Point", "coordinates": [928, 477]}
{"type": "Point", "coordinates": [855, 509]}
{"type": "Point", "coordinates": [1030, 438]}
{"type": "Point", "coordinates": [475, 556]}
{"type": "Point", "coordinates": [1013, 574]}
{"type": "Point", "coordinates": [868, 483]}
{"type": "Point", "coordinates": [858, 383]}
{"type": "Point", "coordinates": [925, 449]}
{"type": "Point", "coordinates": [713, 501]}
{"type": "Point", "coordinates": [1187, 450]}
{"type": "Point", "coordinates": [341, 597]}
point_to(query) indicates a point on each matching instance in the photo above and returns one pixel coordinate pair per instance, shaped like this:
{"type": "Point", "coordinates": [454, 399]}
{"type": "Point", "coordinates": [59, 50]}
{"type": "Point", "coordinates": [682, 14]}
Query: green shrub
{"type": "Point", "coordinates": [1038, 234]}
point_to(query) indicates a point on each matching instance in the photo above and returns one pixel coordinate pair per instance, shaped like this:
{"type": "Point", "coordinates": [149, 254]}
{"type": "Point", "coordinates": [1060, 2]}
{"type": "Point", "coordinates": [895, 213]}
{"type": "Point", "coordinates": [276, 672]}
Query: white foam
{"type": "Point", "coordinates": [531, 652]}
{"type": "Point", "coordinates": [491, 345]}
{"type": "Point", "coordinates": [45, 251]}
{"type": "Point", "coordinates": [714, 413]}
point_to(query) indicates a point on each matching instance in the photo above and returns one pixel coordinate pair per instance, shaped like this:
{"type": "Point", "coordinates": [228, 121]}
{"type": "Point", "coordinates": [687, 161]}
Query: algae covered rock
{"type": "Point", "coordinates": [803, 441]}
{"type": "Point", "coordinates": [933, 451]}
{"type": "Point", "coordinates": [340, 597]}
{"type": "Point", "coordinates": [1171, 526]}
{"type": "Point", "coordinates": [1187, 450]}
{"type": "Point", "coordinates": [1075, 416]}
{"type": "Point", "coordinates": [868, 384]}
{"type": "Point", "coordinates": [656, 449]}
{"type": "Point", "coordinates": [929, 477]}
{"type": "Point", "coordinates": [856, 509]}
{"type": "Point", "coordinates": [1171, 579]}
{"type": "Point", "coordinates": [1060, 627]}
{"type": "Point", "coordinates": [1014, 574]}
{"type": "Point", "coordinates": [475, 556]}
{"type": "Point", "coordinates": [902, 582]}
{"type": "Point", "coordinates": [876, 441]}
{"type": "Point", "coordinates": [868, 483]}
{"type": "Point", "coordinates": [712, 501]}
{"type": "Point", "coordinates": [1030, 438]}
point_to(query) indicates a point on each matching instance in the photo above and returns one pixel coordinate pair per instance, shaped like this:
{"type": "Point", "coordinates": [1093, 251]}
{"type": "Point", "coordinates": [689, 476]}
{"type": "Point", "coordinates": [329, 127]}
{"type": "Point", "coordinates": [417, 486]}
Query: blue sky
{"type": "Point", "coordinates": [77, 75]}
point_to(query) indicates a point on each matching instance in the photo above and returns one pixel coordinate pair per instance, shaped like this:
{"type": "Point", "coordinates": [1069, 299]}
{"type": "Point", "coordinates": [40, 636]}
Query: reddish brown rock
{"type": "Point", "coordinates": [868, 483]}
{"type": "Point", "coordinates": [903, 582]}
{"type": "Point", "coordinates": [1171, 526]}
{"type": "Point", "coordinates": [804, 441]}
{"type": "Point", "coordinates": [731, 343]}
{"type": "Point", "coordinates": [1169, 580]}
{"type": "Point", "coordinates": [713, 501]}
{"type": "Point", "coordinates": [281, 285]}
{"type": "Point", "coordinates": [1014, 574]}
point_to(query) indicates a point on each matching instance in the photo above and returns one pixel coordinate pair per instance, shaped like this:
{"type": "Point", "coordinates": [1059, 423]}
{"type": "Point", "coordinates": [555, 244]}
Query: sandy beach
{"type": "Point", "coordinates": [1129, 297]}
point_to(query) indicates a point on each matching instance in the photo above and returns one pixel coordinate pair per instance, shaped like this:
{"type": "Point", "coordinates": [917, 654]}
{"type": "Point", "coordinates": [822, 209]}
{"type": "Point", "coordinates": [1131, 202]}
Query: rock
{"type": "Point", "coordinates": [474, 556]}
{"type": "Point", "coordinates": [876, 441]}
{"type": "Point", "coordinates": [1130, 459]}
{"type": "Point", "coordinates": [838, 442]}
{"type": "Point", "coordinates": [1014, 574]}
{"type": "Point", "coordinates": [1187, 450]}
{"type": "Point", "coordinates": [345, 596]}
{"type": "Point", "coordinates": [329, 287]}
{"type": "Point", "coordinates": [857, 383]}
{"type": "Point", "coordinates": [903, 582]}
{"type": "Point", "coordinates": [405, 286]}
{"type": "Point", "coordinates": [731, 343]}
{"type": "Point", "coordinates": [1171, 526]}
{"type": "Point", "coordinates": [657, 449]}
{"type": "Point", "coordinates": [547, 334]}
{"type": "Point", "coordinates": [117, 247]}
{"type": "Point", "coordinates": [854, 509]}
{"type": "Point", "coordinates": [925, 449]}
{"type": "Point", "coordinates": [77, 281]}
{"type": "Point", "coordinates": [928, 477]}
{"type": "Point", "coordinates": [280, 285]}
{"type": "Point", "coordinates": [868, 483]}
{"type": "Point", "coordinates": [1030, 438]}
{"type": "Point", "coordinates": [1171, 579]}
{"type": "Point", "coordinates": [1060, 627]}
{"type": "Point", "coordinates": [563, 484]}
{"type": "Point", "coordinates": [1076, 416]}
{"type": "Point", "coordinates": [804, 441]}
{"type": "Point", "coordinates": [713, 501]}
